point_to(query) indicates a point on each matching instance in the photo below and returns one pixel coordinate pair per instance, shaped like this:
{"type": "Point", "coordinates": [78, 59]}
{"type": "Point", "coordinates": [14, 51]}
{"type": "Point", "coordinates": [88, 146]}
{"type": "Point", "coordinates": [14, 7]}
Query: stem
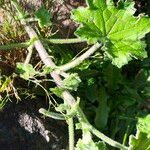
{"type": "Point", "coordinates": [26, 44]}
{"type": "Point", "coordinates": [71, 133]}
{"type": "Point", "coordinates": [15, 45]}
{"type": "Point", "coordinates": [80, 59]}
{"type": "Point", "coordinates": [82, 118]}
{"type": "Point", "coordinates": [68, 98]}
{"type": "Point", "coordinates": [107, 139]}
{"type": "Point", "coordinates": [63, 41]}
{"type": "Point", "coordinates": [21, 14]}
{"type": "Point", "coordinates": [125, 136]}
{"type": "Point", "coordinates": [30, 51]}
{"type": "Point", "coordinates": [51, 114]}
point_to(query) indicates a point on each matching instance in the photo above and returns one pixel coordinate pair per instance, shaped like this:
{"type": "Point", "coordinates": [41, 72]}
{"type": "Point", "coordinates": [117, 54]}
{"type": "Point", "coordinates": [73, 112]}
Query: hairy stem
{"type": "Point", "coordinates": [53, 41]}
{"type": "Point", "coordinates": [106, 139]}
{"type": "Point", "coordinates": [71, 133]}
{"type": "Point", "coordinates": [80, 59]}
{"type": "Point", "coordinates": [63, 41]}
{"type": "Point", "coordinates": [44, 56]}
{"type": "Point", "coordinates": [14, 46]}
{"type": "Point", "coordinates": [28, 58]}
{"type": "Point", "coordinates": [68, 98]}
{"type": "Point", "coordinates": [82, 118]}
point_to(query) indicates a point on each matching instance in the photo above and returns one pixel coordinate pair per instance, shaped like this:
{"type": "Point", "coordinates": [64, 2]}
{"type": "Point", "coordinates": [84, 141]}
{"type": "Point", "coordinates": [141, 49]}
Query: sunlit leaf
{"type": "Point", "coordinates": [25, 71]}
{"type": "Point", "coordinates": [142, 139]}
{"type": "Point", "coordinates": [71, 82]}
{"type": "Point", "coordinates": [116, 27]}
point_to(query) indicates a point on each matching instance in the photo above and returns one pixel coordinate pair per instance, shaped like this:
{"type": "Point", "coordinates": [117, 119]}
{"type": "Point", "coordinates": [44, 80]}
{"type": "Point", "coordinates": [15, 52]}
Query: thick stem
{"type": "Point", "coordinates": [71, 133]}
{"type": "Point", "coordinates": [68, 98]}
{"type": "Point", "coordinates": [39, 47]}
{"type": "Point", "coordinates": [49, 63]}
{"type": "Point", "coordinates": [80, 59]}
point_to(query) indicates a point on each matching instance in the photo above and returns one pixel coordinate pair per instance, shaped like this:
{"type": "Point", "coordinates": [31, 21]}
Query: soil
{"type": "Point", "coordinates": [23, 128]}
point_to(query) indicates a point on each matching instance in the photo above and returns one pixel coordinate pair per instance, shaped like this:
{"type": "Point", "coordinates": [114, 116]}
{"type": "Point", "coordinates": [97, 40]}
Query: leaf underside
{"type": "Point", "coordinates": [116, 27]}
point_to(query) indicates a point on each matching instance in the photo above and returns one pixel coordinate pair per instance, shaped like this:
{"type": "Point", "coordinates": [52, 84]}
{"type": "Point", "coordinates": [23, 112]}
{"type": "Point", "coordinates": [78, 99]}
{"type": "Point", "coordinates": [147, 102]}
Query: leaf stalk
{"type": "Point", "coordinates": [80, 59]}
{"type": "Point", "coordinates": [63, 41]}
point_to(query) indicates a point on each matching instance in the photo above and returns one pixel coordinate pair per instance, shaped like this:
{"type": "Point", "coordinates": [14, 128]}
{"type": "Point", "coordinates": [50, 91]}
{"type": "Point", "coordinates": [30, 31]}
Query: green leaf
{"type": "Point", "coordinates": [4, 83]}
{"type": "Point", "coordinates": [43, 17]}
{"type": "Point", "coordinates": [71, 82]}
{"type": "Point", "coordinates": [101, 145]}
{"type": "Point", "coordinates": [1, 2]}
{"type": "Point", "coordinates": [91, 90]}
{"type": "Point", "coordinates": [86, 143]}
{"type": "Point", "coordinates": [142, 139]}
{"type": "Point", "coordinates": [81, 145]}
{"type": "Point", "coordinates": [92, 93]}
{"type": "Point", "coordinates": [144, 125]}
{"type": "Point", "coordinates": [26, 71]}
{"type": "Point", "coordinates": [47, 70]}
{"type": "Point", "coordinates": [112, 76]}
{"type": "Point", "coordinates": [116, 27]}
{"type": "Point", "coordinates": [57, 91]}
{"type": "Point", "coordinates": [84, 65]}
{"type": "Point", "coordinates": [102, 111]}
{"type": "Point", "coordinates": [125, 101]}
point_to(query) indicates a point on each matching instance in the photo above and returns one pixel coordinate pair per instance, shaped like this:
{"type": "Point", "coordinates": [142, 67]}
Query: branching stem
{"type": "Point", "coordinates": [80, 59]}
{"type": "Point", "coordinates": [68, 98]}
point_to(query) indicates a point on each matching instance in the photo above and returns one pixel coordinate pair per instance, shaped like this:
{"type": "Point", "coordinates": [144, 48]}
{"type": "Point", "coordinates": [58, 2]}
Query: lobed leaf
{"type": "Point", "coordinates": [71, 82]}
{"type": "Point", "coordinates": [90, 146]}
{"type": "Point", "coordinates": [26, 71]}
{"type": "Point", "coordinates": [142, 139]}
{"type": "Point", "coordinates": [116, 27]}
{"type": "Point", "coordinates": [43, 17]}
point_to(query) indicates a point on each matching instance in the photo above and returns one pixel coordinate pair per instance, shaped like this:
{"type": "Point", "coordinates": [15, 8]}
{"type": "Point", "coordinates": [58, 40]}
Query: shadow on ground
{"type": "Point", "coordinates": [23, 128]}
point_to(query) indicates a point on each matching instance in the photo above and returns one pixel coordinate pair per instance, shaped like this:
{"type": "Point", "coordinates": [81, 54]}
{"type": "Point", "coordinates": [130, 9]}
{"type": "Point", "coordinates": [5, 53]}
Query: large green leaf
{"type": "Point", "coordinates": [116, 27]}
